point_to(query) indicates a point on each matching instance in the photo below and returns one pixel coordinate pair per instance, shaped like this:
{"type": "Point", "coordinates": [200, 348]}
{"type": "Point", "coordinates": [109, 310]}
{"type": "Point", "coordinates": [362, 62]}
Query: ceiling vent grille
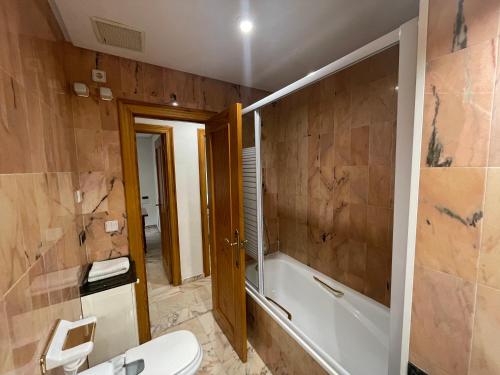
{"type": "Point", "coordinates": [118, 35]}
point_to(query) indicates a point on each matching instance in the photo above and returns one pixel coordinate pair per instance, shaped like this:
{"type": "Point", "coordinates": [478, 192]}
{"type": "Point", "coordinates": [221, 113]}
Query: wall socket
{"type": "Point", "coordinates": [98, 75]}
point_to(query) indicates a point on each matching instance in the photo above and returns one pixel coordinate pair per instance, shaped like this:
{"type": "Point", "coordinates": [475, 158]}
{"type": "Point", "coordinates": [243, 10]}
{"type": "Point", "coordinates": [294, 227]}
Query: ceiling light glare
{"type": "Point", "coordinates": [246, 26]}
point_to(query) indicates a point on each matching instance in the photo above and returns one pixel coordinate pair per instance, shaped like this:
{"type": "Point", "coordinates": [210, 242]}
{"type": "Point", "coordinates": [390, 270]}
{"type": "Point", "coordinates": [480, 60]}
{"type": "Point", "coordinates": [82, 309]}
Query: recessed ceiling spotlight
{"type": "Point", "coordinates": [246, 26]}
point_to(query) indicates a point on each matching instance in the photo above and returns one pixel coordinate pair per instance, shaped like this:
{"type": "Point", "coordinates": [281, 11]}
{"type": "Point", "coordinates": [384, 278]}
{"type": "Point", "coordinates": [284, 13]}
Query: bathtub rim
{"type": "Point", "coordinates": [298, 335]}
{"type": "Point", "coordinates": [291, 330]}
{"type": "Point", "coordinates": [280, 255]}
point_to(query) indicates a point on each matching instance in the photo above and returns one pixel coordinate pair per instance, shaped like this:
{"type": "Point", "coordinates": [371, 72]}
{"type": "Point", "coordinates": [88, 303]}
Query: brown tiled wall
{"type": "Point", "coordinates": [39, 221]}
{"type": "Point", "coordinates": [328, 171]}
{"type": "Point", "coordinates": [51, 144]}
{"type": "Point", "coordinates": [456, 302]}
{"type": "Point", "coordinates": [97, 135]}
{"type": "Point", "coordinates": [279, 351]}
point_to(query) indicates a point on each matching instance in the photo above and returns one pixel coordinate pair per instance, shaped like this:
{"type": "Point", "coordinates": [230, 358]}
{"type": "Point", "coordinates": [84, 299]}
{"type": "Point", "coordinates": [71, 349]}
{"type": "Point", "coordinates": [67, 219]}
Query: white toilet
{"type": "Point", "coordinates": [177, 353]}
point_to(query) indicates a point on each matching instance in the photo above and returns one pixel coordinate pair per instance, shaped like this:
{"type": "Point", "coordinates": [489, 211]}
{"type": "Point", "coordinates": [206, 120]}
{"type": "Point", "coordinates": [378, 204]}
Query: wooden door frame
{"type": "Point", "coordinates": [167, 137]}
{"type": "Point", "coordinates": [202, 170]}
{"type": "Point", "coordinates": [127, 110]}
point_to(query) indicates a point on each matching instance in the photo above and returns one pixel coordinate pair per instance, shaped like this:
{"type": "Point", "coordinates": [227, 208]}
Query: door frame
{"type": "Point", "coordinates": [167, 137]}
{"type": "Point", "coordinates": [127, 111]}
{"type": "Point", "coordinates": [202, 170]}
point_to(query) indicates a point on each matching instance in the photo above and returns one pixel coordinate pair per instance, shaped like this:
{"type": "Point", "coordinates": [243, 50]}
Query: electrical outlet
{"type": "Point", "coordinates": [98, 76]}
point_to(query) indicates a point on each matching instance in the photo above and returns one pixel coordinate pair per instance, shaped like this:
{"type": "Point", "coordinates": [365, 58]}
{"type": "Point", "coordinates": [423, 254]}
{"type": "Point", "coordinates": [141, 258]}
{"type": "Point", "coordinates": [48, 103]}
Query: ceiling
{"type": "Point", "coordinates": [290, 37]}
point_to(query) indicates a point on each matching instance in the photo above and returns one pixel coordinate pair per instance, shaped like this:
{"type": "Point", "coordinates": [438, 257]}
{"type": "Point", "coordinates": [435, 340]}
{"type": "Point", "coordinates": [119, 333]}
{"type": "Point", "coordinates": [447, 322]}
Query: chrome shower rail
{"type": "Point", "coordinates": [335, 292]}
{"type": "Point", "coordinates": [288, 314]}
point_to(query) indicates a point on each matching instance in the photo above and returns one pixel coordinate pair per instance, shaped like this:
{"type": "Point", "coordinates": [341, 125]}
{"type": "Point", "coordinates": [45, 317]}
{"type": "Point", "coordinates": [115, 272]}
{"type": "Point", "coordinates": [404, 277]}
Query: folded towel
{"type": "Point", "coordinates": [108, 268]}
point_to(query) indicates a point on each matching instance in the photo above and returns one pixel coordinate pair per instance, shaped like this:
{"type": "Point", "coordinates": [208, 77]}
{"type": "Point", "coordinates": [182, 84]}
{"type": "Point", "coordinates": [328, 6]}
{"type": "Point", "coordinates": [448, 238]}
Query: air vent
{"type": "Point", "coordinates": [118, 35]}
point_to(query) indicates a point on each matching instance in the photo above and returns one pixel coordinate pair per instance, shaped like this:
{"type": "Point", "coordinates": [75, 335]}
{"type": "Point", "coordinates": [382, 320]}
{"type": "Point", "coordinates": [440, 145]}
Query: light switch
{"type": "Point", "coordinates": [111, 226]}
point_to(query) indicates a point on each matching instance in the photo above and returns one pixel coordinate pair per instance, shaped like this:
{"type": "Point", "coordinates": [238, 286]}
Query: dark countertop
{"type": "Point", "coordinates": [87, 288]}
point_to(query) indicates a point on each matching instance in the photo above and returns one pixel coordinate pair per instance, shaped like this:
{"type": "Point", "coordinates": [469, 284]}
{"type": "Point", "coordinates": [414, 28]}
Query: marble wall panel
{"type": "Point", "coordinates": [454, 328]}
{"type": "Point", "coordinates": [280, 352]}
{"type": "Point", "coordinates": [39, 219]}
{"type": "Point", "coordinates": [97, 136]}
{"type": "Point", "coordinates": [328, 167]}
{"type": "Point", "coordinates": [51, 144]}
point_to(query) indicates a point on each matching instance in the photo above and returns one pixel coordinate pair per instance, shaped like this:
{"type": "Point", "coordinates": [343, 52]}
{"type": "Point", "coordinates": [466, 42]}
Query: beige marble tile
{"type": "Point", "coordinates": [95, 192]}
{"type": "Point", "coordinates": [494, 152]}
{"type": "Point", "coordinates": [489, 258]}
{"type": "Point", "coordinates": [12, 249]}
{"type": "Point", "coordinates": [90, 150]}
{"type": "Point", "coordinates": [457, 109]}
{"type": "Point", "coordinates": [13, 126]}
{"type": "Point", "coordinates": [450, 220]}
{"type": "Point", "coordinates": [378, 273]}
{"type": "Point", "coordinates": [280, 353]}
{"type": "Point", "coordinates": [6, 360]}
{"type": "Point", "coordinates": [381, 143]}
{"type": "Point", "coordinates": [359, 145]}
{"type": "Point", "coordinates": [102, 245]}
{"type": "Point", "coordinates": [478, 22]}
{"type": "Point", "coordinates": [442, 315]}
{"type": "Point", "coordinates": [485, 344]}
{"type": "Point", "coordinates": [380, 184]}
{"type": "Point", "coordinates": [86, 113]}
{"type": "Point", "coordinates": [132, 79]}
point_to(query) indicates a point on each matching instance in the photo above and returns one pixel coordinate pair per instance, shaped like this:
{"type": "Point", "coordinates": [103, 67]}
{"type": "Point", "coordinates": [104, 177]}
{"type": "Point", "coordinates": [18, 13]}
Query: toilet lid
{"type": "Point", "coordinates": [168, 354]}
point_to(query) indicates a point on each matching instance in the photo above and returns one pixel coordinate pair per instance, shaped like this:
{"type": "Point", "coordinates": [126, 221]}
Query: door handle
{"type": "Point", "coordinates": [229, 243]}
{"type": "Point", "coordinates": [241, 244]}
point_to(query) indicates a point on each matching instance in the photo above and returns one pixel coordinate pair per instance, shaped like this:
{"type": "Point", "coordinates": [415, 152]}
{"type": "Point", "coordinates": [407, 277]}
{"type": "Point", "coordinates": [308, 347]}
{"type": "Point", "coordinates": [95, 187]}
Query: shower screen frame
{"type": "Point", "coordinates": [411, 38]}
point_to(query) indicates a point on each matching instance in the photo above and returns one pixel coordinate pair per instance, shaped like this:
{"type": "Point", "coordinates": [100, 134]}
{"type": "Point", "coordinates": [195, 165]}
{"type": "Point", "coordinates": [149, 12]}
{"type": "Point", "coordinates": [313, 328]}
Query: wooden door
{"type": "Point", "coordinates": [223, 137]}
{"type": "Point", "coordinates": [163, 207]}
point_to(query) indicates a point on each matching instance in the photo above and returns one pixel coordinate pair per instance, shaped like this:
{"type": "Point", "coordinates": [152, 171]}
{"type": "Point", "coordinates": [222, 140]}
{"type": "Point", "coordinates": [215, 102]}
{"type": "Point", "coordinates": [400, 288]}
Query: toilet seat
{"type": "Point", "coordinates": [177, 353]}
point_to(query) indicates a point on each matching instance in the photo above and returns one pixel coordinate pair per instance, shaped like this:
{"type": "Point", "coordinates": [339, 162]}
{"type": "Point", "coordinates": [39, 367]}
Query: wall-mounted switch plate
{"type": "Point", "coordinates": [111, 226]}
{"type": "Point", "coordinates": [98, 75]}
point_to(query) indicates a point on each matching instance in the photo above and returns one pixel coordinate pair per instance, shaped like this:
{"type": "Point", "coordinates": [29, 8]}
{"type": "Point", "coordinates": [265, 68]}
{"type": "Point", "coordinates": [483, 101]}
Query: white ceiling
{"type": "Point", "coordinates": [290, 37]}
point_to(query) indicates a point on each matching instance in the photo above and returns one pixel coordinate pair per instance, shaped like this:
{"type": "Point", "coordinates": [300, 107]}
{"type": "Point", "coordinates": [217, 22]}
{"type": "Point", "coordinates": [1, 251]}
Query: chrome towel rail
{"type": "Point", "coordinates": [288, 314]}
{"type": "Point", "coordinates": [335, 292]}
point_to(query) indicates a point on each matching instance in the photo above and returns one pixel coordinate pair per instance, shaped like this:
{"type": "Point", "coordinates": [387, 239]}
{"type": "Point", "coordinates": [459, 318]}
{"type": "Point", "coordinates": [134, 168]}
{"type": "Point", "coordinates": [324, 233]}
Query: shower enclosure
{"type": "Point", "coordinates": [326, 181]}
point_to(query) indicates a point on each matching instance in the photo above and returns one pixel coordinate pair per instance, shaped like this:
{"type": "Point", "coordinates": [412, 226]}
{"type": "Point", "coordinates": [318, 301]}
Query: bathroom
{"type": "Point", "coordinates": [355, 184]}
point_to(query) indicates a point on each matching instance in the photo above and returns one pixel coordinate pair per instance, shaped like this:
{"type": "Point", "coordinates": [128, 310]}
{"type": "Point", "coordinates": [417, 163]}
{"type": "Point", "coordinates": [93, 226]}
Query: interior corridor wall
{"type": "Point", "coordinates": [148, 180]}
{"type": "Point", "coordinates": [187, 185]}
{"type": "Point", "coordinates": [328, 174]}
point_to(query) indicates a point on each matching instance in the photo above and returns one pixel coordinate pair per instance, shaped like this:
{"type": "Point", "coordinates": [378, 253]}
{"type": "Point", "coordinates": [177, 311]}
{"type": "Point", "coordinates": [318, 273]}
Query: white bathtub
{"type": "Point", "coordinates": [347, 335]}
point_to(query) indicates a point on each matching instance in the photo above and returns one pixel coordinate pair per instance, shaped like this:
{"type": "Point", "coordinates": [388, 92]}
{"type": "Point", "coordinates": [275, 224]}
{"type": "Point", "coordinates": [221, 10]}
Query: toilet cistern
{"type": "Point", "coordinates": [69, 345]}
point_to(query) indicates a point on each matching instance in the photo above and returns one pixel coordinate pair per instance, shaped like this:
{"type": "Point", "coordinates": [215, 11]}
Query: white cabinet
{"type": "Point", "coordinates": [116, 329]}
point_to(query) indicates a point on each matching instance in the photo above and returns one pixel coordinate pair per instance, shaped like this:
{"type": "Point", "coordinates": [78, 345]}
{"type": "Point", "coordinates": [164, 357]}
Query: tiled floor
{"type": "Point", "coordinates": [189, 306]}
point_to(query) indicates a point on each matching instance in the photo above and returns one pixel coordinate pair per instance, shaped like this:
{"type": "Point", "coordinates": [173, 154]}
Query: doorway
{"type": "Point", "coordinates": [173, 198]}
{"type": "Point", "coordinates": [159, 218]}
{"type": "Point", "coordinates": [223, 180]}
{"type": "Point", "coordinates": [158, 204]}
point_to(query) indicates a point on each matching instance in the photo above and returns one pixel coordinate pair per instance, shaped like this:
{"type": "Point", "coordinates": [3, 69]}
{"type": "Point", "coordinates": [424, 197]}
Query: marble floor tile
{"type": "Point", "coordinates": [189, 307]}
